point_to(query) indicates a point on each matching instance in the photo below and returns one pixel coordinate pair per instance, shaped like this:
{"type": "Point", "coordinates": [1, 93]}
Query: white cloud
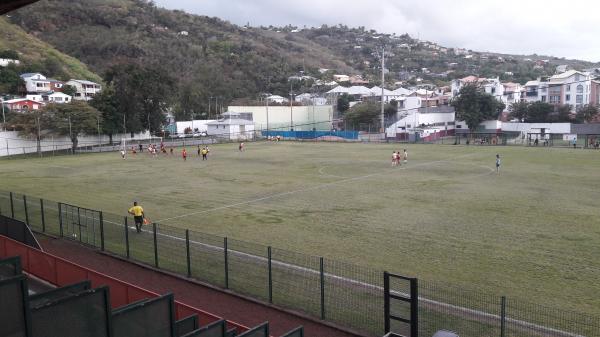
{"type": "Point", "coordinates": [550, 27]}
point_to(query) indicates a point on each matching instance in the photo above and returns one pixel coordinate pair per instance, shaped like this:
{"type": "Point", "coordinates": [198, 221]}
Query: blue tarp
{"type": "Point", "coordinates": [311, 134]}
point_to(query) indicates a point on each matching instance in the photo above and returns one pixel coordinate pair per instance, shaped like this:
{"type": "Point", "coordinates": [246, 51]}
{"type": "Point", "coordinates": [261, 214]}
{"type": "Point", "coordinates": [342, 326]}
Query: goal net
{"type": "Point", "coordinates": [128, 143]}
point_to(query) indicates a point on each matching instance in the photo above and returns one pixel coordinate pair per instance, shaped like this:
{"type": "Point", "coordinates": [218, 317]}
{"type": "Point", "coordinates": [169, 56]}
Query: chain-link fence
{"type": "Point", "coordinates": [346, 294]}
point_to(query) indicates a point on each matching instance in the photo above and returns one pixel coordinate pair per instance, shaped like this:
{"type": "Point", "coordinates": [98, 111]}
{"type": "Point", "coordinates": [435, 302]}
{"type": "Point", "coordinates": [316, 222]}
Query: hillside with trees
{"type": "Point", "coordinates": [35, 55]}
{"type": "Point", "coordinates": [212, 60]}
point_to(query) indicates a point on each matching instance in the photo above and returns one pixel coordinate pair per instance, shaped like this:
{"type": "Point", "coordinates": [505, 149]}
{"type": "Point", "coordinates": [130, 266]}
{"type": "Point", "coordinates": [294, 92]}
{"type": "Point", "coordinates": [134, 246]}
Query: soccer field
{"type": "Point", "coordinates": [532, 231]}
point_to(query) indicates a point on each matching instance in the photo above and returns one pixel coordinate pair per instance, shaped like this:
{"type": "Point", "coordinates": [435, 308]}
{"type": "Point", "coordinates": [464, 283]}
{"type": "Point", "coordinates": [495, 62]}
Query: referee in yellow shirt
{"type": "Point", "coordinates": [138, 215]}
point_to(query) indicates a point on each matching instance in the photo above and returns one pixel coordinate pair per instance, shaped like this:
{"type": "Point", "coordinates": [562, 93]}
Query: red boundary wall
{"type": "Point", "coordinates": [60, 272]}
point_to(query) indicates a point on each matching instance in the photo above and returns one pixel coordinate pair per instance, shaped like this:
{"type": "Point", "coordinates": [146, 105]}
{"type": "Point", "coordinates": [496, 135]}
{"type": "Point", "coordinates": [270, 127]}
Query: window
{"type": "Point", "coordinates": [493, 90]}
{"type": "Point", "coordinates": [579, 99]}
{"type": "Point", "coordinates": [568, 98]}
{"type": "Point", "coordinates": [580, 89]}
{"type": "Point", "coordinates": [543, 98]}
{"type": "Point", "coordinates": [568, 88]}
{"type": "Point", "coordinates": [554, 99]}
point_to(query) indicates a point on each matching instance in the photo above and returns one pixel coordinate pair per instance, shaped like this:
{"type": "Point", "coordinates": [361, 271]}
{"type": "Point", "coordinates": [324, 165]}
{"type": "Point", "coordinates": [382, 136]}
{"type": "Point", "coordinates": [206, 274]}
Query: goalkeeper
{"type": "Point", "coordinates": [138, 215]}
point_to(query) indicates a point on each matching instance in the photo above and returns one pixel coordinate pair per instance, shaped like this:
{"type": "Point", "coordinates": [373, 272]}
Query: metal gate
{"type": "Point", "coordinates": [401, 305]}
{"type": "Point", "coordinates": [81, 224]}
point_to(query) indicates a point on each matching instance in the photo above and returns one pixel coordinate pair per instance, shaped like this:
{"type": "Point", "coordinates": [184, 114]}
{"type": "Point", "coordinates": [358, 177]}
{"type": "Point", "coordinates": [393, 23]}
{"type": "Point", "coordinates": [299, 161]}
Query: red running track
{"type": "Point", "coordinates": [222, 304]}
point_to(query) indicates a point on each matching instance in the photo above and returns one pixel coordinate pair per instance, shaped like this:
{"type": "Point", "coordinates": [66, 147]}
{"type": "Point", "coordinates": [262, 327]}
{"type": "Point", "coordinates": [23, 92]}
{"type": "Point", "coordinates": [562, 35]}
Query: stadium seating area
{"type": "Point", "coordinates": [79, 309]}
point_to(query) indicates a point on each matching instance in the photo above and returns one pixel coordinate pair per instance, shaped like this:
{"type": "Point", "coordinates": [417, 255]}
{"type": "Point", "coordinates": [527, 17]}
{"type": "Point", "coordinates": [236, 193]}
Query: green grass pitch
{"type": "Point", "coordinates": [531, 232]}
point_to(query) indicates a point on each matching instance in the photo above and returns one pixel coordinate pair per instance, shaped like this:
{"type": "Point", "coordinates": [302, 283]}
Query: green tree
{"type": "Point", "coordinates": [142, 93]}
{"type": "Point", "coordinates": [343, 103]}
{"type": "Point", "coordinates": [519, 110]}
{"type": "Point", "coordinates": [475, 106]}
{"type": "Point", "coordinates": [72, 119]}
{"type": "Point", "coordinates": [363, 115]}
{"type": "Point", "coordinates": [188, 103]}
{"type": "Point", "coordinates": [112, 119]}
{"type": "Point", "coordinates": [587, 113]}
{"type": "Point", "coordinates": [538, 112]}
{"type": "Point", "coordinates": [561, 114]}
{"type": "Point", "coordinates": [9, 54]}
{"type": "Point", "coordinates": [10, 81]}
{"type": "Point", "coordinates": [69, 90]}
{"type": "Point", "coordinates": [31, 123]}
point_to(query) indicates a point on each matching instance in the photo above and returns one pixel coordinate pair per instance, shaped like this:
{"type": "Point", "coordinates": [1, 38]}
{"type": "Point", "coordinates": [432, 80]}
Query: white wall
{"type": "Point", "coordinates": [525, 128]}
{"type": "Point", "coordinates": [195, 124]}
{"type": "Point", "coordinates": [304, 117]}
{"type": "Point", "coordinates": [233, 131]}
{"type": "Point", "coordinates": [12, 143]}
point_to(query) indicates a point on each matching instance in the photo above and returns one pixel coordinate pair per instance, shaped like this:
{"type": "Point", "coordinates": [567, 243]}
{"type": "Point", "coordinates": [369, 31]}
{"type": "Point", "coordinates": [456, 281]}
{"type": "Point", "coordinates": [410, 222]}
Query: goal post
{"type": "Point", "coordinates": [128, 143]}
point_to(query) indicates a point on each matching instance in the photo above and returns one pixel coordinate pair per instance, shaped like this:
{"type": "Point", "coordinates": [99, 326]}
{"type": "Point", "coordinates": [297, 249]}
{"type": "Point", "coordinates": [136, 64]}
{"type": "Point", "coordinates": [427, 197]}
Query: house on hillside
{"type": "Point", "coordinates": [562, 68]}
{"type": "Point", "coordinates": [56, 85]}
{"type": "Point", "coordinates": [36, 83]}
{"type": "Point", "coordinates": [22, 105]}
{"type": "Point", "coordinates": [50, 97]}
{"type": "Point", "coordinates": [85, 90]}
{"type": "Point", "coordinates": [341, 78]}
{"type": "Point", "coordinates": [358, 80]}
{"type": "Point", "coordinates": [6, 62]}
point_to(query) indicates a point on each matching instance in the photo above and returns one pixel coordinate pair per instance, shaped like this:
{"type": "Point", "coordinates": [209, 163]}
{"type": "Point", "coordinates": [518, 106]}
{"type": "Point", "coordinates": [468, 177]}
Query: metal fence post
{"type": "Point", "coordinates": [60, 219]}
{"type": "Point", "coordinates": [414, 307]}
{"type": "Point", "coordinates": [226, 263]}
{"type": "Point", "coordinates": [101, 231]}
{"type": "Point", "coordinates": [155, 245]}
{"type": "Point", "coordinates": [322, 272]}
{"type": "Point", "coordinates": [25, 208]}
{"type": "Point", "coordinates": [187, 253]}
{"type": "Point", "coordinates": [43, 215]}
{"type": "Point", "coordinates": [386, 302]}
{"type": "Point", "coordinates": [12, 206]}
{"type": "Point", "coordinates": [270, 275]}
{"type": "Point", "coordinates": [503, 317]}
{"type": "Point", "coordinates": [126, 237]}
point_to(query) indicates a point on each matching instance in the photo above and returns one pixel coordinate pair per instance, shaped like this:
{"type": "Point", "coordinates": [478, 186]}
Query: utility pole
{"type": "Point", "coordinates": [382, 91]}
{"type": "Point", "coordinates": [267, 106]}
{"type": "Point", "coordinates": [209, 101]}
{"type": "Point", "coordinates": [3, 115]}
{"type": "Point", "coordinates": [291, 108]}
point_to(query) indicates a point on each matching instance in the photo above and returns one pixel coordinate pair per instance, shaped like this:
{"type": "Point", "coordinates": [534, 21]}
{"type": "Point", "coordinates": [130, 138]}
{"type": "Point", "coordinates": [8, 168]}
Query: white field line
{"type": "Point", "coordinates": [483, 316]}
{"type": "Point", "coordinates": [456, 310]}
{"type": "Point", "coordinates": [277, 195]}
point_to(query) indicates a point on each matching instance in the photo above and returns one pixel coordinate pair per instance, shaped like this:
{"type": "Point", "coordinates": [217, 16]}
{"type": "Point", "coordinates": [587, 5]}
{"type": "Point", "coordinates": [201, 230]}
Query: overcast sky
{"type": "Point", "coordinates": [549, 27]}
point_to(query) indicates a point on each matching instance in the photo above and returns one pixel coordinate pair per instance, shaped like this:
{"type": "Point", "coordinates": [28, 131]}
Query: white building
{"type": "Point", "coordinates": [491, 86]}
{"type": "Point", "coordinates": [277, 99]}
{"type": "Point", "coordinates": [512, 93]}
{"type": "Point", "coordinates": [197, 126]}
{"type": "Point", "coordinates": [571, 87]}
{"type": "Point", "coordinates": [341, 78]}
{"type": "Point", "coordinates": [51, 97]}
{"type": "Point", "coordinates": [310, 99]}
{"type": "Point", "coordinates": [231, 128]}
{"type": "Point", "coordinates": [302, 118]}
{"type": "Point", "coordinates": [36, 82]}
{"type": "Point", "coordinates": [57, 97]}
{"type": "Point", "coordinates": [6, 62]}
{"type": "Point", "coordinates": [85, 90]}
